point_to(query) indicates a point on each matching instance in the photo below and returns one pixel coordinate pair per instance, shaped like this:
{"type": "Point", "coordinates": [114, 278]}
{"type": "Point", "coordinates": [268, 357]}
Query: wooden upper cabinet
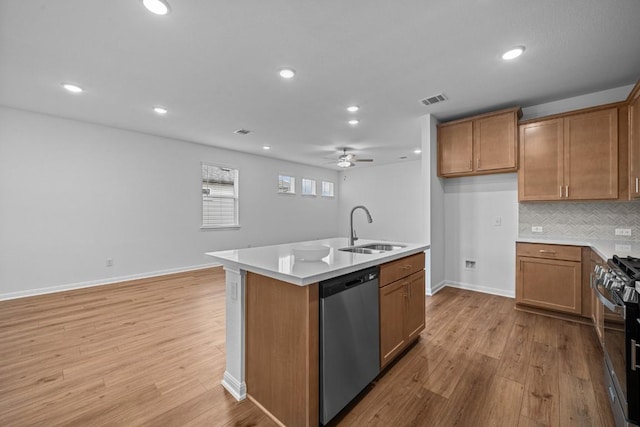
{"type": "Point", "coordinates": [591, 155]}
{"type": "Point", "coordinates": [494, 142]}
{"type": "Point", "coordinates": [455, 149]}
{"type": "Point", "coordinates": [541, 160]}
{"type": "Point", "coordinates": [634, 143]}
{"type": "Point", "coordinates": [570, 157]}
{"type": "Point", "coordinates": [479, 145]}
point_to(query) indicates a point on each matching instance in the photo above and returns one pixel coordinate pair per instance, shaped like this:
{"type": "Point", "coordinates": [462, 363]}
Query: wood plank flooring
{"type": "Point", "coordinates": [151, 353]}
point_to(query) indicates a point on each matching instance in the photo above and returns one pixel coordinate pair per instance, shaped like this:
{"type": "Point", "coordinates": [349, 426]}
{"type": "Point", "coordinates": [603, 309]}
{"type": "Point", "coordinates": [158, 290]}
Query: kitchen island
{"type": "Point", "coordinates": [272, 321]}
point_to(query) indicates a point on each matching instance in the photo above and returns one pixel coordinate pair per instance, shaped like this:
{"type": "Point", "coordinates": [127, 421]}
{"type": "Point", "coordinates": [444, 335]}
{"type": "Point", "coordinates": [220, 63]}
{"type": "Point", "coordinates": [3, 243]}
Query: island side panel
{"type": "Point", "coordinates": [234, 375]}
{"type": "Point", "coordinates": [282, 349]}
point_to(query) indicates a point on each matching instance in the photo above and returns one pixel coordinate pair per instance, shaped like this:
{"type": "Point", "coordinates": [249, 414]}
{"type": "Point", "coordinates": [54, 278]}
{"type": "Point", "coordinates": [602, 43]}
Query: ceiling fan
{"type": "Point", "coordinates": [347, 160]}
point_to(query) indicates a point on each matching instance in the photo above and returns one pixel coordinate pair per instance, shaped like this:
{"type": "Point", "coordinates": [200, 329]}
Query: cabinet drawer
{"type": "Point", "coordinates": [396, 270]}
{"type": "Point", "coordinates": [539, 250]}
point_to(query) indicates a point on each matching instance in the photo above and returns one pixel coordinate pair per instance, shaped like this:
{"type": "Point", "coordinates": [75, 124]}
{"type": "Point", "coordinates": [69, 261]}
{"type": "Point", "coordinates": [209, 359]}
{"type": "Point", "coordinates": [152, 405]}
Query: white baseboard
{"type": "Point", "coordinates": [435, 289]}
{"type": "Point", "coordinates": [100, 282]}
{"type": "Point", "coordinates": [483, 289]}
{"type": "Point", "coordinates": [237, 389]}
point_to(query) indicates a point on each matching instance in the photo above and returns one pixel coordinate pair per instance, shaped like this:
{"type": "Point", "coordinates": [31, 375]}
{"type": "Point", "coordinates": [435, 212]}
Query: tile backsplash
{"type": "Point", "coordinates": [594, 220]}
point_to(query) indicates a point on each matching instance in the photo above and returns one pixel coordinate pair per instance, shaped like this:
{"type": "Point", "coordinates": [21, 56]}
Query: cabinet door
{"type": "Point", "coordinates": [455, 148]}
{"type": "Point", "coordinates": [392, 308]}
{"type": "Point", "coordinates": [494, 141]}
{"type": "Point", "coordinates": [634, 148]}
{"type": "Point", "coordinates": [591, 155]}
{"type": "Point", "coordinates": [414, 319]}
{"type": "Point", "coordinates": [541, 159]}
{"type": "Point", "coordinates": [550, 284]}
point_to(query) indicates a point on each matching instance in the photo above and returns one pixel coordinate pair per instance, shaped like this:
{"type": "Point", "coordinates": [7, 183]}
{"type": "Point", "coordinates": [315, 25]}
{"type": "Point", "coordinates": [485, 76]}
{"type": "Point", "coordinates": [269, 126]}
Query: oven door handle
{"type": "Point", "coordinates": [607, 303]}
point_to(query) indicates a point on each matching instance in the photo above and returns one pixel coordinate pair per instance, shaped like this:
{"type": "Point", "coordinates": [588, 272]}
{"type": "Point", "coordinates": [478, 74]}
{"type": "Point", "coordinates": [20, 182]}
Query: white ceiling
{"type": "Point", "coordinates": [214, 65]}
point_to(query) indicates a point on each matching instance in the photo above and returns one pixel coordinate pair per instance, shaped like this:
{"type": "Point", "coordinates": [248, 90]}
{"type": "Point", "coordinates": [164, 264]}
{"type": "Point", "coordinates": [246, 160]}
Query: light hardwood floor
{"type": "Point", "coordinates": [151, 352]}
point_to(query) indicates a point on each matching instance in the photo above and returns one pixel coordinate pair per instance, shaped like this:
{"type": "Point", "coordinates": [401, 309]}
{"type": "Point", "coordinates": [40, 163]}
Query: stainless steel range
{"type": "Point", "coordinates": [618, 287]}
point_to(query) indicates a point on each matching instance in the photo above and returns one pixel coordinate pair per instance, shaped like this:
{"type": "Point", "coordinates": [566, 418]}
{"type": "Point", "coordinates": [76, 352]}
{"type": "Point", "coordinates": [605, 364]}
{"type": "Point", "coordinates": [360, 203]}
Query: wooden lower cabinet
{"type": "Point", "coordinates": [550, 284]}
{"type": "Point", "coordinates": [401, 315]}
{"type": "Point", "coordinates": [544, 281]}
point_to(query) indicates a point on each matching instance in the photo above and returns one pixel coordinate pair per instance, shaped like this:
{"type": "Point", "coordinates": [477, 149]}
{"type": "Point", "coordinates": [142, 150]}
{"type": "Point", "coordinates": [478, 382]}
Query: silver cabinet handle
{"type": "Point", "coordinates": [634, 363]}
{"type": "Point", "coordinates": [471, 164]}
{"type": "Point", "coordinates": [561, 191]}
{"type": "Point", "coordinates": [637, 184]}
{"type": "Point", "coordinates": [566, 191]}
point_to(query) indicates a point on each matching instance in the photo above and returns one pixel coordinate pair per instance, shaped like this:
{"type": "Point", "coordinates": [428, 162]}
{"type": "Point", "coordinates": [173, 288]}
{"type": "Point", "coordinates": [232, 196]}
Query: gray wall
{"type": "Point", "coordinates": [73, 194]}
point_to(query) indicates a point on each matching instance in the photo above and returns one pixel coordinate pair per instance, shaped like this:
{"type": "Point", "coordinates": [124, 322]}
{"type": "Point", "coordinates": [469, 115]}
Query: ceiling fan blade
{"type": "Point", "coordinates": [363, 160]}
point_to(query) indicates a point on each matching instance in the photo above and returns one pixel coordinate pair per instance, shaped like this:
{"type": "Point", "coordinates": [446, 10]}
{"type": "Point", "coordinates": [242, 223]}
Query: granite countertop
{"type": "Point", "coordinates": [278, 261]}
{"type": "Point", "coordinates": [604, 248]}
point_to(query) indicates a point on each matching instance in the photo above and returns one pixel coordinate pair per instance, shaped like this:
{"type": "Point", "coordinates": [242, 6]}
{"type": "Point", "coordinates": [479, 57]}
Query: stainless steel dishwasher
{"type": "Point", "coordinates": [349, 339]}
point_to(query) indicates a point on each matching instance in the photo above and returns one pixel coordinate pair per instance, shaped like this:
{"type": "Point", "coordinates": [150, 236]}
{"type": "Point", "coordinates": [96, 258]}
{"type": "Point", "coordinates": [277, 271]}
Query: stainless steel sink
{"type": "Point", "coordinates": [372, 248]}
{"type": "Point", "coordinates": [384, 247]}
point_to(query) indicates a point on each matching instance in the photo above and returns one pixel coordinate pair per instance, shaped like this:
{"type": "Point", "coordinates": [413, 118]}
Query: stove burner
{"type": "Point", "coordinates": [630, 266]}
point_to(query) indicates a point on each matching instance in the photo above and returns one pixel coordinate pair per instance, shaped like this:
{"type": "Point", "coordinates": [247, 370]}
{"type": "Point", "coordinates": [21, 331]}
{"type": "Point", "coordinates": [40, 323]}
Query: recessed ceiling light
{"type": "Point", "coordinates": [513, 53]}
{"type": "Point", "coordinates": [353, 122]}
{"type": "Point", "coordinates": [287, 73]}
{"type": "Point", "coordinates": [160, 110]}
{"type": "Point", "coordinates": [352, 108]}
{"type": "Point", "coordinates": [159, 7]}
{"type": "Point", "coordinates": [266, 147]}
{"type": "Point", "coordinates": [417, 151]}
{"type": "Point", "coordinates": [72, 88]}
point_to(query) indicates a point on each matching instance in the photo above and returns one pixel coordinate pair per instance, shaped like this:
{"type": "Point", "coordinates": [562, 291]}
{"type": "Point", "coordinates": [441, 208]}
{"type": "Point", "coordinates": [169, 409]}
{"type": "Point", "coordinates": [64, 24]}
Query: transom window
{"type": "Point", "coordinates": [286, 184]}
{"type": "Point", "coordinates": [308, 187]}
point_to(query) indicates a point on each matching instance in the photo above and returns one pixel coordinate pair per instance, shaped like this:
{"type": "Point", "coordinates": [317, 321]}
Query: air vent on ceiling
{"type": "Point", "coordinates": [434, 99]}
{"type": "Point", "coordinates": [242, 131]}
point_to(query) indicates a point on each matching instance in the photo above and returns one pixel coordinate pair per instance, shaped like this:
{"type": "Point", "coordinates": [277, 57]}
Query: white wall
{"type": "Point", "coordinates": [434, 206]}
{"type": "Point", "coordinates": [73, 194]}
{"type": "Point", "coordinates": [472, 204]}
{"type": "Point", "coordinates": [392, 195]}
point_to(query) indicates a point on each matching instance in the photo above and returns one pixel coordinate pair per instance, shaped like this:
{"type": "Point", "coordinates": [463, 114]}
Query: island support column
{"type": "Point", "coordinates": [234, 375]}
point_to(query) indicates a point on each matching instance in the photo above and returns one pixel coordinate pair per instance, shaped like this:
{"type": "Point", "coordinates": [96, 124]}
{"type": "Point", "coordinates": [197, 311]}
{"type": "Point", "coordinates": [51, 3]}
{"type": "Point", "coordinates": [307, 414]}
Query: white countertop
{"type": "Point", "coordinates": [278, 262]}
{"type": "Point", "coordinates": [605, 248]}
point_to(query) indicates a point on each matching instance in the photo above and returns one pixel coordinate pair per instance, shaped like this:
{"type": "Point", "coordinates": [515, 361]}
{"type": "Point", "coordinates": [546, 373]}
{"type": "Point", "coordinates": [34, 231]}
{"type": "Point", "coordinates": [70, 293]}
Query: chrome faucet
{"type": "Point", "coordinates": [352, 234]}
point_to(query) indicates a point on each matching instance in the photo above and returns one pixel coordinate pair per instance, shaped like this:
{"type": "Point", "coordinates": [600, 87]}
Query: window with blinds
{"type": "Point", "coordinates": [327, 189]}
{"type": "Point", "coordinates": [219, 196]}
{"type": "Point", "coordinates": [286, 184]}
{"type": "Point", "coordinates": [308, 187]}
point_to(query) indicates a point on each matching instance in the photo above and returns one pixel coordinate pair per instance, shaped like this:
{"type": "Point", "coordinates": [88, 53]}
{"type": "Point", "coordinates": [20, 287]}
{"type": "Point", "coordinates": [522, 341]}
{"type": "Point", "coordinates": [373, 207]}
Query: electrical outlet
{"type": "Point", "coordinates": [536, 229]}
{"type": "Point", "coordinates": [623, 232]}
{"type": "Point", "coordinates": [623, 248]}
{"type": "Point", "coordinates": [232, 288]}
{"type": "Point", "coordinates": [470, 264]}
{"type": "Point", "coordinates": [497, 221]}
{"type": "Point", "coordinates": [109, 262]}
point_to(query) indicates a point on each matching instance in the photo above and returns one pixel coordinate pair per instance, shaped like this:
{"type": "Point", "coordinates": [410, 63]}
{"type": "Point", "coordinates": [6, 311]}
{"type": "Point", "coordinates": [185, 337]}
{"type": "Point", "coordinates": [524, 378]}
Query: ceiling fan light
{"type": "Point", "coordinates": [343, 163]}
